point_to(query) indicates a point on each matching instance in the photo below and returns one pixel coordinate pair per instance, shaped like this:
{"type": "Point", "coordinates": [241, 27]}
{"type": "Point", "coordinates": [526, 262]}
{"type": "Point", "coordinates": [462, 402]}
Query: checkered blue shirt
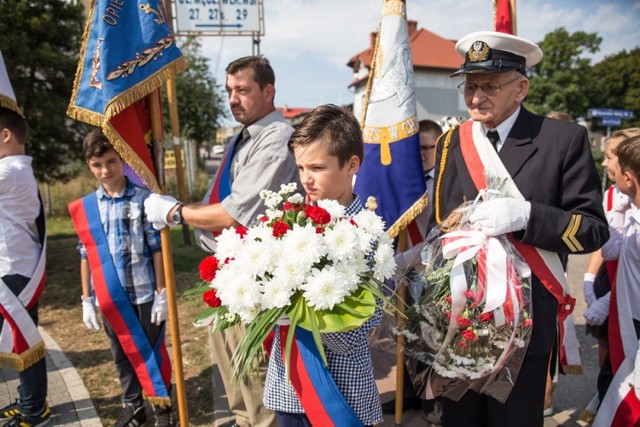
{"type": "Point", "coordinates": [132, 240]}
{"type": "Point", "coordinates": [349, 362]}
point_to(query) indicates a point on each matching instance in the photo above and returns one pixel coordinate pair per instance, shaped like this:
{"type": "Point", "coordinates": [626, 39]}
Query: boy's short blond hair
{"type": "Point", "coordinates": [95, 144]}
{"type": "Point", "coordinates": [336, 127]}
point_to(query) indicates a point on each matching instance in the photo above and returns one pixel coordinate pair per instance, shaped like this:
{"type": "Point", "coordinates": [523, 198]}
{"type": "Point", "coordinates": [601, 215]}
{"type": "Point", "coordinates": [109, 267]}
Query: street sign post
{"type": "Point", "coordinates": [219, 17]}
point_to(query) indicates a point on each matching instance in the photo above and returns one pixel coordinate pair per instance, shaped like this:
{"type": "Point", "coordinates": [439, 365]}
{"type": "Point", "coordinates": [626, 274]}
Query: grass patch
{"type": "Point", "coordinates": [61, 316]}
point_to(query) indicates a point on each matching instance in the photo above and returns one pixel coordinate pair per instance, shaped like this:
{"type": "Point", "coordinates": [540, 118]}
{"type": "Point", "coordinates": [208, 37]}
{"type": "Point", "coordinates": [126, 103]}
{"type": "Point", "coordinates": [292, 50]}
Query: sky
{"type": "Point", "coordinates": [309, 42]}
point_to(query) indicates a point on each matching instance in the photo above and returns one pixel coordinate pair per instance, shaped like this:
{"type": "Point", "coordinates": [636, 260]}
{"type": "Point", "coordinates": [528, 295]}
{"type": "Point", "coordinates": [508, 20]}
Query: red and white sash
{"type": "Point", "coordinates": [481, 157]}
{"type": "Point", "coordinates": [20, 342]}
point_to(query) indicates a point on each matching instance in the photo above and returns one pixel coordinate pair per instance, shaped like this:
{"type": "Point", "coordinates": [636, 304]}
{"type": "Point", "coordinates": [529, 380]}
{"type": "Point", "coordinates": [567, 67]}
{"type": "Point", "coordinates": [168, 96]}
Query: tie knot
{"type": "Point", "coordinates": [493, 137]}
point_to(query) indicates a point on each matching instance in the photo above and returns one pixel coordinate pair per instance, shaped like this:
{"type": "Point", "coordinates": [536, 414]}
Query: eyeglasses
{"type": "Point", "coordinates": [487, 88]}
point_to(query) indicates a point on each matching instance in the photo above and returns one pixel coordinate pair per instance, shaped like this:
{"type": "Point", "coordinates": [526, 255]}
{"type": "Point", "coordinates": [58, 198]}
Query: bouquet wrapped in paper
{"type": "Point", "coordinates": [471, 321]}
{"type": "Point", "coordinates": [310, 265]}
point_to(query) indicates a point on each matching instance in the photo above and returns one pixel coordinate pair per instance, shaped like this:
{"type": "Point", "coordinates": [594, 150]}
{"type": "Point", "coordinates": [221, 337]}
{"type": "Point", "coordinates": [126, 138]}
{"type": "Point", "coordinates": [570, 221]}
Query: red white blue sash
{"type": "Point", "coordinates": [323, 402]}
{"type": "Point", "coordinates": [545, 265]}
{"type": "Point", "coordinates": [20, 342]}
{"type": "Point", "coordinates": [150, 361]}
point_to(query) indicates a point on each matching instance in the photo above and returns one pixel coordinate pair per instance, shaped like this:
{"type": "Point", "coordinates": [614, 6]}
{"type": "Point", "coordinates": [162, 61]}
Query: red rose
{"type": "Point", "coordinates": [485, 317]}
{"type": "Point", "coordinates": [241, 230]}
{"type": "Point", "coordinates": [469, 335]}
{"type": "Point", "coordinates": [208, 268]}
{"type": "Point", "coordinates": [211, 299]}
{"type": "Point", "coordinates": [464, 322]}
{"type": "Point", "coordinates": [318, 215]}
{"type": "Point", "coordinates": [280, 229]}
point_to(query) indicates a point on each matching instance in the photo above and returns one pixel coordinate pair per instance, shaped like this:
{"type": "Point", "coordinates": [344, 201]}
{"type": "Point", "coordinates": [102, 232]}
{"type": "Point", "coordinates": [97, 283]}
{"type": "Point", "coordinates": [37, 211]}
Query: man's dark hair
{"type": "Point", "coordinates": [427, 125]}
{"type": "Point", "coordinates": [262, 72]}
{"type": "Point", "coordinates": [95, 144]}
{"type": "Point", "coordinates": [336, 127]}
{"type": "Point", "coordinates": [13, 121]}
{"type": "Point", "coordinates": [628, 152]}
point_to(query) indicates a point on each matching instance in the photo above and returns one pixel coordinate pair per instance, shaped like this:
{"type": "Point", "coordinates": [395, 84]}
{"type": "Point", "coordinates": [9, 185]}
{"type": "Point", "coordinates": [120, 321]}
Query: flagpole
{"type": "Point", "coordinates": [401, 292]}
{"type": "Point", "coordinates": [514, 26]}
{"type": "Point", "coordinates": [167, 258]}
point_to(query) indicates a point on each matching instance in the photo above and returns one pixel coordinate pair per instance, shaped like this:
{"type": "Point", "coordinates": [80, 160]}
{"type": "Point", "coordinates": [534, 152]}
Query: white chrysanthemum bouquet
{"type": "Point", "coordinates": [311, 263]}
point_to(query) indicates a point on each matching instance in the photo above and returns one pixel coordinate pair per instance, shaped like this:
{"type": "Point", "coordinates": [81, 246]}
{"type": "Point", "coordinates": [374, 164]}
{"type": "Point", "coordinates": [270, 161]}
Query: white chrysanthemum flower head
{"type": "Point", "coordinates": [324, 289]}
{"type": "Point", "coordinates": [305, 245]}
{"type": "Point", "coordinates": [261, 233]}
{"type": "Point", "coordinates": [255, 257]}
{"type": "Point", "coordinates": [335, 209]}
{"type": "Point", "coordinates": [385, 264]}
{"type": "Point", "coordinates": [228, 243]}
{"type": "Point", "coordinates": [347, 274]}
{"type": "Point", "coordinates": [340, 240]}
{"type": "Point", "coordinates": [296, 199]}
{"type": "Point", "coordinates": [370, 222]}
{"type": "Point", "coordinates": [277, 293]}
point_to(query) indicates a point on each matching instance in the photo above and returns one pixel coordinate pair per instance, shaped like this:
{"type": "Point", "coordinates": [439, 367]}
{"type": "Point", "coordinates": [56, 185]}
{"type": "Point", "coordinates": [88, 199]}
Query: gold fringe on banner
{"type": "Point", "coordinates": [161, 402]}
{"type": "Point", "coordinates": [22, 361]}
{"type": "Point", "coordinates": [10, 104]}
{"type": "Point", "coordinates": [408, 216]}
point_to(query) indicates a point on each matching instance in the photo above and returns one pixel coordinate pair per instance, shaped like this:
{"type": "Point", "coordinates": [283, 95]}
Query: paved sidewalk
{"type": "Point", "coordinates": [68, 398]}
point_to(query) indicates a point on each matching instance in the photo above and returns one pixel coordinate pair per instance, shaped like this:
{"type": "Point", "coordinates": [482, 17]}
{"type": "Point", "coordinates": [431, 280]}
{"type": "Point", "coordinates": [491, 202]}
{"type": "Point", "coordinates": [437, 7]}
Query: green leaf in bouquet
{"type": "Point", "coordinates": [356, 309]}
{"type": "Point", "coordinates": [198, 290]}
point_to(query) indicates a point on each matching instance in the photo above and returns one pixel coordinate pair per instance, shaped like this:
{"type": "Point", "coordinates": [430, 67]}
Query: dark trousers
{"type": "Point", "coordinates": [523, 407]}
{"type": "Point", "coordinates": [131, 388]}
{"type": "Point", "coordinates": [33, 380]}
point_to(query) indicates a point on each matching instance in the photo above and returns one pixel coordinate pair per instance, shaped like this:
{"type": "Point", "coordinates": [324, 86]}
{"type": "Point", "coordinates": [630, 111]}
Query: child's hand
{"type": "Point", "coordinates": [89, 316]}
{"type": "Point", "coordinates": [159, 310]}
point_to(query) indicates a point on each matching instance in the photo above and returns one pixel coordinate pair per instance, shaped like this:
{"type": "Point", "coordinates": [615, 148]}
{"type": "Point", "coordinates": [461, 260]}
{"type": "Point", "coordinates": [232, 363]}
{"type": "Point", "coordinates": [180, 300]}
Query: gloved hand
{"type": "Point", "coordinates": [159, 309]}
{"type": "Point", "coordinates": [636, 375]}
{"type": "Point", "coordinates": [587, 287]}
{"type": "Point", "coordinates": [157, 207]}
{"type": "Point", "coordinates": [501, 216]}
{"type": "Point", "coordinates": [89, 316]}
{"type": "Point", "coordinates": [598, 312]}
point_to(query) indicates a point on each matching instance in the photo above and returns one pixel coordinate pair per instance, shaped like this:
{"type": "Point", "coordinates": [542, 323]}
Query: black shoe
{"type": "Point", "coordinates": [9, 411]}
{"type": "Point", "coordinates": [131, 416]}
{"type": "Point", "coordinates": [409, 403]}
{"type": "Point", "coordinates": [163, 417]}
{"type": "Point", "coordinates": [230, 424]}
{"type": "Point", "coordinates": [22, 420]}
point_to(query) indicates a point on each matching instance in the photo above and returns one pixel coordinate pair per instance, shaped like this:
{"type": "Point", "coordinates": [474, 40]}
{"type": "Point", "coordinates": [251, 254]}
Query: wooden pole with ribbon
{"type": "Point", "coordinates": [401, 291]}
{"type": "Point", "coordinates": [167, 258]}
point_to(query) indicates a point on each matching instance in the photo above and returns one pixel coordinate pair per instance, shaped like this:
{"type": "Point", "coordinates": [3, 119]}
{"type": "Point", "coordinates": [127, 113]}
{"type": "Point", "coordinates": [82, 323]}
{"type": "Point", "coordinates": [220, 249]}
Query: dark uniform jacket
{"type": "Point", "coordinates": [550, 162]}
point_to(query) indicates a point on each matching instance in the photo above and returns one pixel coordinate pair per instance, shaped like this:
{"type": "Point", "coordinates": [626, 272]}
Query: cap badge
{"type": "Point", "coordinates": [479, 51]}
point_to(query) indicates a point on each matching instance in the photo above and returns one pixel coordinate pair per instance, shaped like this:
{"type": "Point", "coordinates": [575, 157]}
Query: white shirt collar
{"type": "Point", "coordinates": [504, 128]}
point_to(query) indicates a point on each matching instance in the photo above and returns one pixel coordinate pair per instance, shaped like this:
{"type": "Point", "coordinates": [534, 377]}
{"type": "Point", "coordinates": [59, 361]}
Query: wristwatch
{"type": "Point", "coordinates": [177, 215]}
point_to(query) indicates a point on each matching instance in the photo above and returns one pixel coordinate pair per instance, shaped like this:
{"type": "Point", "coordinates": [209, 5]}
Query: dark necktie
{"type": "Point", "coordinates": [494, 137]}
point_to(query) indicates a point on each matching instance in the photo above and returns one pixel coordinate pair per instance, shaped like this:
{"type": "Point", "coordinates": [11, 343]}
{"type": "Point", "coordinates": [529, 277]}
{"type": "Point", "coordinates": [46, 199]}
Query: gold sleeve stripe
{"type": "Point", "coordinates": [569, 236]}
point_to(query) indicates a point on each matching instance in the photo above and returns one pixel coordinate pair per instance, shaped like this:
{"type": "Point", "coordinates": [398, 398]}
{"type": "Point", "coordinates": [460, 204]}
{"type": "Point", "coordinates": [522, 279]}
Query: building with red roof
{"type": "Point", "coordinates": [434, 59]}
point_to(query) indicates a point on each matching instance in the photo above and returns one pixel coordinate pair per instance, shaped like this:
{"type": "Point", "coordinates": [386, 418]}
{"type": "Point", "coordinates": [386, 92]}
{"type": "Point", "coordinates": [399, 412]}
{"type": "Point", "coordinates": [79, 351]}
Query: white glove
{"type": "Point", "coordinates": [587, 287]}
{"type": "Point", "coordinates": [159, 309]}
{"type": "Point", "coordinates": [598, 312]}
{"type": "Point", "coordinates": [501, 216]}
{"type": "Point", "coordinates": [636, 374]}
{"type": "Point", "coordinates": [89, 316]}
{"type": "Point", "coordinates": [157, 207]}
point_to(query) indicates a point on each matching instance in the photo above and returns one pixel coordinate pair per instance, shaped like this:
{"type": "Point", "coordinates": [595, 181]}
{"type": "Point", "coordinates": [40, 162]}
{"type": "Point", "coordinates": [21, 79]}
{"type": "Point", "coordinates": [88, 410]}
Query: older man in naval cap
{"type": "Point", "coordinates": [551, 206]}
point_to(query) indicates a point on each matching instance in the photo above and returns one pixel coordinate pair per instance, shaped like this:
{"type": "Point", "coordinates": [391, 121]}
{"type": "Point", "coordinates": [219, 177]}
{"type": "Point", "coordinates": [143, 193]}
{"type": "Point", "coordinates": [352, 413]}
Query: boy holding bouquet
{"type": "Point", "coordinates": [328, 149]}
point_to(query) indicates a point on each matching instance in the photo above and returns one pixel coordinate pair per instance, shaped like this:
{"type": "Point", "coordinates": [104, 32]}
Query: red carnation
{"type": "Point", "coordinates": [527, 322]}
{"type": "Point", "coordinates": [485, 317]}
{"type": "Point", "coordinates": [464, 322]}
{"type": "Point", "coordinates": [263, 218]}
{"type": "Point", "coordinates": [286, 206]}
{"type": "Point", "coordinates": [211, 299]}
{"type": "Point", "coordinates": [319, 230]}
{"type": "Point", "coordinates": [280, 228]}
{"type": "Point", "coordinates": [318, 215]}
{"type": "Point", "coordinates": [470, 335]}
{"type": "Point", "coordinates": [208, 267]}
{"type": "Point", "coordinates": [241, 230]}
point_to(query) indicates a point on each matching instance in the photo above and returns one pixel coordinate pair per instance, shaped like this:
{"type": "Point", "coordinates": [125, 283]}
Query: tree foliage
{"type": "Point", "coordinates": [40, 43]}
{"type": "Point", "coordinates": [200, 103]}
{"type": "Point", "coordinates": [561, 81]}
{"type": "Point", "coordinates": [616, 84]}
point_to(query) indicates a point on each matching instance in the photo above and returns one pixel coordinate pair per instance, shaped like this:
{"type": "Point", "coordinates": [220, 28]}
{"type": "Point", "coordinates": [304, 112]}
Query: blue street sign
{"type": "Point", "coordinates": [610, 113]}
{"type": "Point", "coordinates": [607, 121]}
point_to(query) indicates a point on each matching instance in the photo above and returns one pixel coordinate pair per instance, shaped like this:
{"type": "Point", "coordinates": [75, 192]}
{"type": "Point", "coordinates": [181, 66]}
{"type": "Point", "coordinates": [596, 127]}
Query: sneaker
{"type": "Point", "coordinates": [22, 420]}
{"type": "Point", "coordinates": [9, 411]}
{"type": "Point", "coordinates": [131, 416]}
{"type": "Point", "coordinates": [163, 417]}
